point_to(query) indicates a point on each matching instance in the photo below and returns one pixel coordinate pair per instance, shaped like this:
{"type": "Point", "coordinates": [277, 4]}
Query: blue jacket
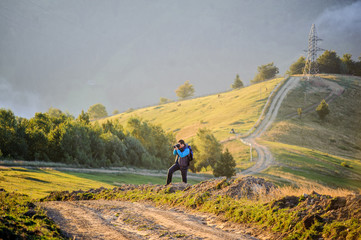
{"type": "Point", "coordinates": [182, 158]}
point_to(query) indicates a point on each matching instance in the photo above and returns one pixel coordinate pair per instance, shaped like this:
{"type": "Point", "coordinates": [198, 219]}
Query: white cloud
{"type": "Point", "coordinates": [341, 25]}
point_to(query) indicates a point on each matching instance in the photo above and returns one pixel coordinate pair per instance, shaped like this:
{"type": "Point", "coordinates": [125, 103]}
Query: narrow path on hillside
{"type": "Point", "coordinates": [265, 157]}
{"type": "Point", "coordinates": [101, 219]}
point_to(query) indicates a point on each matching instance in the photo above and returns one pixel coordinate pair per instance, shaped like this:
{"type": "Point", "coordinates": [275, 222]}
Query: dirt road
{"type": "Point", "coordinates": [99, 219]}
{"type": "Point", "coordinates": [265, 157]}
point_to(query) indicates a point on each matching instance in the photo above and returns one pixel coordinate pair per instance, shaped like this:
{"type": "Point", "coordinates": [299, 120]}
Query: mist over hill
{"type": "Point", "coordinates": [71, 55]}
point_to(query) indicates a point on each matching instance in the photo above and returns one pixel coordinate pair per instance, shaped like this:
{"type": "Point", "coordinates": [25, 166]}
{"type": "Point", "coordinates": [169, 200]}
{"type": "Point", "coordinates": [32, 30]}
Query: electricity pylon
{"type": "Point", "coordinates": [311, 66]}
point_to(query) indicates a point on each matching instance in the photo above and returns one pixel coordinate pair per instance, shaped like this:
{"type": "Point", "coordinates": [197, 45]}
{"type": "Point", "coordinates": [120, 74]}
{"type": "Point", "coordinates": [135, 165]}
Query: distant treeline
{"type": "Point", "coordinates": [330, 62]}
{"type": "Point", "coordinates": [62, 138]}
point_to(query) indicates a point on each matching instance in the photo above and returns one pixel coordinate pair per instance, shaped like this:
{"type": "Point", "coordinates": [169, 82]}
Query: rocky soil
{"type": "Point", "coordinates": [143, 220]}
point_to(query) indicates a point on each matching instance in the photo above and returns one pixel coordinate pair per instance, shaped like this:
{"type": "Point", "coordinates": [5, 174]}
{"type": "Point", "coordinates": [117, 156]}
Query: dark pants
{"type": "Point", "coordinates": [174, 168]}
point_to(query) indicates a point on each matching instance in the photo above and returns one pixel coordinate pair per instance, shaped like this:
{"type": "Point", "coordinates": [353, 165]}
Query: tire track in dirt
{"type": "Point", "coordinates": [101, 219]}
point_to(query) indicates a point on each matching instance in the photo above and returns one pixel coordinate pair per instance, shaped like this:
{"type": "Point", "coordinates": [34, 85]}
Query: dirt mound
{"type": "Point", "coordinates": [322, 209]}
{"type": "Point", "coordinates": [314, 215]}
{"type": "Point", "coordinates": [248, 187]}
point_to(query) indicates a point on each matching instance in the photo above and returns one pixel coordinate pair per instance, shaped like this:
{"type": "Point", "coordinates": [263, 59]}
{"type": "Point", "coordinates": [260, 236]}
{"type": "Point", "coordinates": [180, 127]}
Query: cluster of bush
{"type": "Point", "coordinates": [330, 62]}
{"type": "Point", "coordinates": [62, 138]}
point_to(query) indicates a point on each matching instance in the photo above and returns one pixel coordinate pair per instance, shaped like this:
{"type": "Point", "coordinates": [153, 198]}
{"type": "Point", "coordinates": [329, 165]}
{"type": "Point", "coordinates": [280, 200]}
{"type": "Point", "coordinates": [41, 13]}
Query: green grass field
{"type": "Point", "coordinates": [310, 151]}
{"type": "Point", "coordinates": [308, 167]}
{"type": "Point", "coordinates": [237, 109]}
{"type": "Point", "coordinates": [38, 183]}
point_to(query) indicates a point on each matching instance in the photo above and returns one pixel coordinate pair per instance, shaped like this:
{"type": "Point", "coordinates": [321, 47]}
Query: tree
{"type": "Point", "coordinates": [115, 149]}
{"type": "Point", "coordinates": [163, 100]}
{"type": "Point", "coordinates": [329, 62]}
{"type": "Point", "coordinates": [185, 91]}
{"type": "Point", "coordinates": [299, 112]}
{"type": "Point", "coordinates": [322, 109]}
{"type": "Point", "coordinates": [358, 67]}
{"type": "Point", "coordinates": [7, 132]}
{"type": "Point", "coordinates": [97, 111]}
{"type": "Point", "coordinates": [265, 72]}
{"type": "Point", "coordinates": [347, 64]}
{"type": "Point", "coordinates": [297, 67]}
{"type": "Point", "coordinates": [54, 112]}
{"type": "Point", "coordinates": [115, 112]}
{"type": "Point", "coordinates": [225, 166]}
{"type": "Point", "coordinates": [207, 149]}
{"type": "Point", "coordinates": [83, 117]}
{"type": "Point", "coordinates": [237, 83]}
{"type": "Point", "coordinates": [153, 138]}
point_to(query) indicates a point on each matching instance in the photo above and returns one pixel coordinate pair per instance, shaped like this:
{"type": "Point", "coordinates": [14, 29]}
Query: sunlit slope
{"type": "Point", "coordinates": [38, 183]}
{"type": "Point", "coordinates": [309, 167]}
{"type": "Point", "coordinates": [309, 150]}
{"type": "Point", "coordinates": [237, 109]}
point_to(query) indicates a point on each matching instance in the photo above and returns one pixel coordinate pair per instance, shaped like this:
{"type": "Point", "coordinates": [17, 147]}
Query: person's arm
{"type": "Point", "coordinates": [184, 153]}
{"type": "Point", "coordinates": [175, 152]}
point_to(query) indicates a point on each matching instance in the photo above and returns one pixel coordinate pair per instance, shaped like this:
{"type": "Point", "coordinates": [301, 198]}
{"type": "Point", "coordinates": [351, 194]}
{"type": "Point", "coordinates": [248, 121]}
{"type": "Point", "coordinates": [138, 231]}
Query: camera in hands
{"type": "Point", "coordinates": [176, 146]}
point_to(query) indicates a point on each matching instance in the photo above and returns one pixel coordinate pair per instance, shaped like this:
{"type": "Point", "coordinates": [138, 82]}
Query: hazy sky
{"type": "Point", "coordinates": [71, 54]}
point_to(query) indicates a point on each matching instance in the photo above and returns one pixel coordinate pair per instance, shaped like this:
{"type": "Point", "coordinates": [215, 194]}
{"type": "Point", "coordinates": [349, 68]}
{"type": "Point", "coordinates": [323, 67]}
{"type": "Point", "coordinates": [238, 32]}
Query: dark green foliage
{"type": "Point", "coordinates": [156, 142]}
{"type": "Point", "coordinates": [207, 149]}
{"type": "Point", "coordinates": [97, 111]}
{"type": "Point", "coordinates": [329, 62]}
{"type": "Point", "coordinates": [265, 72]}
{"type": "Point", "coordinates": [61, 138]}
{"type": "Point", "coordinates": [347, 64]}
{"type": "Point", "coordinates": [225, 166]}
{"type": "Point", "coordinates": [84, 117]}
{"type": "Point", "coordinates": [237, 83]}
{"type": "Point", "coordinates": [322, 109]}
{"type": "Point", "coordinates": [297, 67]}
{"type": "Point", "coordinates": [12, 142]}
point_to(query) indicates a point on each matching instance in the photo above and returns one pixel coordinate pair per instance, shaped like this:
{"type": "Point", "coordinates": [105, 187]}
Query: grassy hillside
{"type": "Point", "coordinates": [311, 151]}
{"type": "Point", "coordinates": [308, 167]}
{"type": "Point", "coordinates": [40, 182]}
{"type": "Point", "coordinates": [237, 109]}
{"type": "Point", "coordinates": [338, 134]}
{"type": "Point", "coordinates": [307, 151]}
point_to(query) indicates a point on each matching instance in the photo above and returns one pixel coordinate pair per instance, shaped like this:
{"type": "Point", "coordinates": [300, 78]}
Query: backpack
{"type": "Point", "coordinates": [190, 156]}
